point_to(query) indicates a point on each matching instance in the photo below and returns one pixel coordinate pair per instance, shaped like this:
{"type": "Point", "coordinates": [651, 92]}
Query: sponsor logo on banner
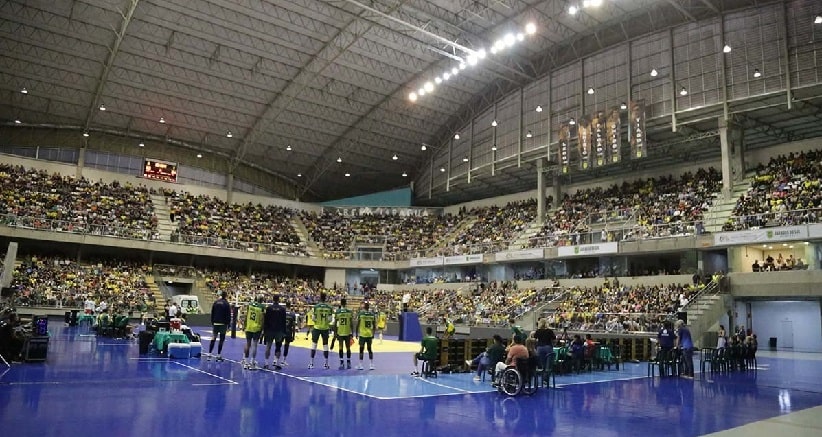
{"type": "Point", "coordinates": [614, 137]}
{"type": "Point", "coordinates": [588, 249]}
{"type": "Point", "coordinates": [584, 142]}
{"type": "Point", "coordinates": [518, 255]}
{"type": "Point", "coordinates": [463, 259]}
{"type": "Point", "coordinates": [761, 235]}
{"type": "Point", "coordinates": [564, 148]}
{"type": "Point", "coordinates": [636, 127]}
{"type": "Point", "coordinates": [425, 262]}
{"type": "Point", "coordinates": [598, 133]}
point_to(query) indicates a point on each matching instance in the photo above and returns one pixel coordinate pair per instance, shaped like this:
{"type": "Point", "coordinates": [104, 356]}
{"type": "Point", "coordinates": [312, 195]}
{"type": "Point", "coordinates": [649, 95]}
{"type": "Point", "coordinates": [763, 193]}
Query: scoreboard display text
{"type": "Point", "coordinates": [160, 170]}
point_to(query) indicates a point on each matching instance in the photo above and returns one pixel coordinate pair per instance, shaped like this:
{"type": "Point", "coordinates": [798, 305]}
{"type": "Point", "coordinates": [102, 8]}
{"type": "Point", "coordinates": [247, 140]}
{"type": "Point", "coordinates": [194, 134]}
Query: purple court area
{"type": "Point", "coordinates": [92, 386]}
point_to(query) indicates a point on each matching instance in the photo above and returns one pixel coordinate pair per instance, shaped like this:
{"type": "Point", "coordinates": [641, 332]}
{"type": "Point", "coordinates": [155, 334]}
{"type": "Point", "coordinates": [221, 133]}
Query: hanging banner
{"type": "Point", "coordinates": [519, 255]}
{"type": "Point", "coordinates": [588, 249]}
{"type": "Point", "coordinates": [564, 149]}
{"type": "Point", "coordinates": [614, 137]}
{"type": "Point", "coordinates": [598, 136]}
{"type": "Point", "coordinates": [584, 143]}
{"type": "Point", "coordinates": [636, 133]}
{"type": "Point", "coordinates": [786, 233]}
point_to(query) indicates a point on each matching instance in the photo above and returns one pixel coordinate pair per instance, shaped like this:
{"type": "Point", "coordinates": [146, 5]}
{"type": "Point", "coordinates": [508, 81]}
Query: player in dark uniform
{"type": "Point", "coordinates": [291, 325]}
{"type": "Point", "coordinates": [274, 328]}
{"type": "Point", "coordinates": [322, 323]}
{"type": "Point", "coordinates": [366, 322]}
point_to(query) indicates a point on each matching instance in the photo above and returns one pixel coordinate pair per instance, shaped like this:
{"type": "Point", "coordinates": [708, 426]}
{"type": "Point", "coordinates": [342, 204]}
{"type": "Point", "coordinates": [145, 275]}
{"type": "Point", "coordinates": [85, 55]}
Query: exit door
{"type": "Point", "coordinates": [786, 337]}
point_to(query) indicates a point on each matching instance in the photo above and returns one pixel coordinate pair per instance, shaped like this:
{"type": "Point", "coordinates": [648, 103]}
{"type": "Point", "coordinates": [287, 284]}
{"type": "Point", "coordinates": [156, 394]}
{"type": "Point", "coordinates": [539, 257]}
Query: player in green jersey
{"type": "Point", "coordinates": [344, 319]}
{"type": "Point", "coordinates": [322, 323]}
{"type": "Point", "coordinates": [366, 322]}
{"type": "Point", "coordinates": [253, 328]}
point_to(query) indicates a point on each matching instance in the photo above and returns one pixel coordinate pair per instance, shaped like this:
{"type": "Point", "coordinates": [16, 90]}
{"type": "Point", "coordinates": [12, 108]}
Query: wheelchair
{"type": "Point", "coordinates": [520, 378]}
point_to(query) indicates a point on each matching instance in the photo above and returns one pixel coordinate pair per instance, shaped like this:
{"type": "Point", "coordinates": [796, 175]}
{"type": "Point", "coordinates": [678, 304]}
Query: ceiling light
{"type": "Point", "coordinates": [654, 73]}
{"type": "Point", "coordinates": [199, 155]}
{"type": "Point", "coordinates": [457, 136]}
{"type": "Point", "coordinates": [462, 65]}
{"type": "Point", "coordinates": [465, 159]}
{"type": "Point", "coordinates": [683, 92]}
{"type": "Point", "coordinates": [437, 80]}
{"type": "Point", "coordinates": [539, 108]}
{"type": "Point", "coordinates": [572, 121]}
{"type": "Point", "coordinates": [573, 10]}
{"type": "Point", "coordinates": [229, 134]}
{"type": "Point", "coordinates": [24, 90]}
{"type": "Point", "coordinates": [818, 19]}
{"type": "Point", "coordinates": [102, 107]}
{"type": "Point", "coordinates": [424, 148]}
{"type": "Point", "coordinates": [442, 169]}
{"type": "Point", "coordinates": [421, 92]}
{"type": "Point", "coordinates": [339, 159]}
{"type": "Point", "coordinates": [454, 71]}
{"type": "Point", "coordinates": [299, 175]}
{"type": "Point", "coordinates": [472, 60]}
{"type": "Point", "coordinates": [726, 49]}
{"type": "Point", "coordinates": [520, 36]}
{"type": "Point", "coordinates": [162, 120]}
{"type": "Point", "coordinates": [348, 175]}
{"type": "Point", "coordinates": [481, 54]}
{"type": "Point", "coordinates": [17, 121]}
{"type": "Point", "coordinates": [595, 3]}
{"type": "Point", "coordinates": [85, 134]}
{"type": "Point", "coordinates": [499, 44]}
{"type": "Point", "coordinates": [412, 97]}
{"type": "Point", "coordinates": [590, 90]}
{"type": "Point", "coordinates": [404, 174]}
{"type": "Point", "coordinates": [141, 145]}
{"type": "Point", "coordinates": [757, 73]}
{"type": "Point", "coordinates": [623, 106]}
{"type": "Point", "coordinates": [529, 135]}
{"type": "Point", "coordinates": [493, 50]}
{"type": "Point", "coordinates": [510, 39]}
{"type": "Point", "coordinates": [530, 28]}
{"type": "Point", "coordinates": [494, 123]}
{"type": "Point", "coordinates": [288, 148]}
{"type": "Point", "coordinates": [428, 87]}
{"type": "Point", "coordinates": [494, 148]}
{"type": "Point", "coordinates": [395, 157]}
{"type": "Point", "coordinates": [446, 76]}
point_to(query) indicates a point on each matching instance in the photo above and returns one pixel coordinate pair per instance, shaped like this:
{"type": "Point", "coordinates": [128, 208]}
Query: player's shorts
{"type": "Point", "coordinates": [252, 335]}
{"type": "Point", "coordinates": [344, 338]}
{"type": "Point", "coordinates": [274, 336]}
{"type": "Point", "coordinates": [422, 357]}
{"type": "Point", "coordinates": [366, 341]}
{"type": "Point", "coordinates": [317, 333]}
{"type": "Point", "coordinates": [218, 329]}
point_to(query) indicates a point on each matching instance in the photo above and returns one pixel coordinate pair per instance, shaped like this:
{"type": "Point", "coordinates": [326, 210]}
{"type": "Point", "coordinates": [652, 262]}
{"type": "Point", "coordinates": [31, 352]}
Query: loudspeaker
{"type": "Point", "coordinates": [682, 315]}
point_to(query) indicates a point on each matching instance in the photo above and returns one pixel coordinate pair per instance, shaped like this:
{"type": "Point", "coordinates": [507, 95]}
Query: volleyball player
{"type": "Point", "coordinates": [322, 322]}
{"type": "Point", "coordinates": [366, 321]}
{"type": "Point", "coordinates": [274, 325]}
{"type": "Point", "coordinates": [381, 323]}
{"type": "Point", "coordinates": [309, 322]}
{"type": "Point", "coordinates": [291, 324]}
{"type": "Point", "coordinates": [344, 318]}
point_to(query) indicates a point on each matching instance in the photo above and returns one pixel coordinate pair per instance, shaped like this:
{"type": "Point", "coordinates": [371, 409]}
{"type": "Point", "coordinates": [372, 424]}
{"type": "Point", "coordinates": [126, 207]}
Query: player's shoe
{"type": "Point", "coordinates": [244, 364]}
{"type": "Point", "coordinates": [310, 366]}
{"type": "Point", "coordinates": [348, 366]}
{"type": "Point", "coordinates": [220, 358]}
{"type": "Point", "coordinates": [326, 366]}
{"type": "Point", "coordinates": [371, 367]}
{"type": "Point", "coordinates": [283, 363]}
{"type": "Point", "coordinates": [415, 374]}
{"type": "Point", "coordinates": [342, 367]}
{"type": "Point", "coordinates": [359, 366]}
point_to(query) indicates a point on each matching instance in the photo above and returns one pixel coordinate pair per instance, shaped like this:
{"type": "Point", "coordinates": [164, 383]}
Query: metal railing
{"type": "Point", "coordinates": [773, 219]}
{"type": "Point", "coordinates": [78, 227]}
{"type": "Point", "coordinates": [166, 270]}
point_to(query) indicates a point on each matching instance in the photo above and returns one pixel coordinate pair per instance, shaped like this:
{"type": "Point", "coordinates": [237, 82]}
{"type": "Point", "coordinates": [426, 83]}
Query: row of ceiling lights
{"type": "Point", "coordinates": [473, 58]}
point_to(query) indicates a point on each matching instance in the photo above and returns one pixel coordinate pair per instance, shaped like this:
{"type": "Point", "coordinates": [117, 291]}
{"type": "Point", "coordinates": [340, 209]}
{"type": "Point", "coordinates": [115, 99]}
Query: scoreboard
{"type": "Point", "coordinates": [160, 170]}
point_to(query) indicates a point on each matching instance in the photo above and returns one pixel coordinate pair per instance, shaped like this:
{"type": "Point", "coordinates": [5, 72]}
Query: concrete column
{"type": "Point", "coordinates": [540, 191]}
{"type": "Point", "coordinates": [726, 149]}
{"type": "Point", "coordinates": [736, 136]}
{"type": "Point", "coordinates": [81, 162]}
{"type": "Point", "coordinates": [557, 190]}
{"type": "Point", "coordinates": [731, 137]}
{"type": "Point", "coordinates": [229, 192]}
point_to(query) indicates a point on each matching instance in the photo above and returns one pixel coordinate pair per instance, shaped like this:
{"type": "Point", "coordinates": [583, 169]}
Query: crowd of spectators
{"type": "Point", "coordinates": [658, 207]}
{"type": "Point", "coordinates": [57, 282]}
{"type": "Point", "coordinates": [206, 220]}
{"type": "Point", "coordinates": [48, 201]}
{"type": "Point", "coordinates": [784, 192]}
{"type": "Point", "coordinates": [337, 233]}
{"type": "Point", "coordinates": [494, 228]}
{"type": "Point", "coordinates": [618, 308]}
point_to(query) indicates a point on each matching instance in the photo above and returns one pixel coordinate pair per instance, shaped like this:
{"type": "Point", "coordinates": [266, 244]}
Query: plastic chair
{"type": "Point", "coordinates": [707, 355]}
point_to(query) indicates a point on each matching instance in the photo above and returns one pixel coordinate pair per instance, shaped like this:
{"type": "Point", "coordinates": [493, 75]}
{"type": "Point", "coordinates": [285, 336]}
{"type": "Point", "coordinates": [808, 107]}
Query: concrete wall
{"type": "Point", "coordinates": [776, 285]}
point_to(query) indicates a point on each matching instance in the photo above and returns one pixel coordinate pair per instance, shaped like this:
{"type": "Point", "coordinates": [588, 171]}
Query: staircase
{"type": "Point", "coordinates": [522, 239]}
{"type": "Point", "coordinates": [159, 299]}
{"type": "Point", "coordinates": [704, 310]}
{"type": "Point", "coordinates": [448, 239]}
{"type": "Point", "coordinates": [204, 294]}
{"type": "Point", "coordinates": [164, 225]}
{"type": "Point", "coordinates": [718, 214]}
{"type": "Point", "coordinates": [310, 246]}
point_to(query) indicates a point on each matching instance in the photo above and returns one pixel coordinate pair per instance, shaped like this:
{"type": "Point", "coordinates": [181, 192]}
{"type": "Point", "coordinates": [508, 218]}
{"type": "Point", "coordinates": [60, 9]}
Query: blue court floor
{"type": "Point", "coordinates": [92, 387]}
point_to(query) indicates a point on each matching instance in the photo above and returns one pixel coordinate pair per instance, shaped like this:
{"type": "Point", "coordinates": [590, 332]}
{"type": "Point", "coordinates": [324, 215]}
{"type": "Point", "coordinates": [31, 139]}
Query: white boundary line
{"type": "Point", "coordinates": [207, 373]}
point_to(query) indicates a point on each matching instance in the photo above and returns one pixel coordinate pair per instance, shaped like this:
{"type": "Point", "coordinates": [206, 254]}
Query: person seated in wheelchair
{"type": "Point", "coordinates": [515, 350]}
